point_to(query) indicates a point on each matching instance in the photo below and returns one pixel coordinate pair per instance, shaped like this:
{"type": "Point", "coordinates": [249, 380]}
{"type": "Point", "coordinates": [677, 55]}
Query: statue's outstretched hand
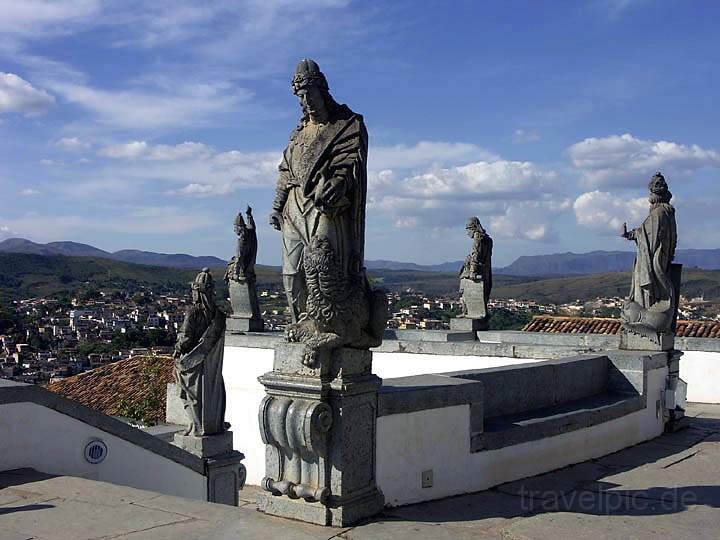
{"type": "Point", "coordinates": [276, 220]}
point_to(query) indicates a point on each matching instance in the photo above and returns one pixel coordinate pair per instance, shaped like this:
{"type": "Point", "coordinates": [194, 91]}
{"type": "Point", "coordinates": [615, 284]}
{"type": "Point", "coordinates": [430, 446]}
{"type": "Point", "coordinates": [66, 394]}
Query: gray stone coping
{"type": "Point", "coordinates": [507, 343]}
{"type": "Point", "coordinates": [429, 335]}
{"type": "Point", "coordinates": [697, 344]}
{"type": "Point", "coordinates": [268, 340]}
{"type": "Point", "coordinates": [14, 392]}
{"type": "Point", "coordinates": [420, 392]}
{"type": "Point", "coordinates": [255, 340]}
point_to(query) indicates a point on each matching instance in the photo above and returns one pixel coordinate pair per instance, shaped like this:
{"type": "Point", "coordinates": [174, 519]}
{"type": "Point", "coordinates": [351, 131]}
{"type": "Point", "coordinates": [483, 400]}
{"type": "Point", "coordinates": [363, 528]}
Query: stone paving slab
{"type": "Point", "coordinates": [696, 524]}
{"type": "Point", "coordinates": [62, 519]}
{"type": "Point", "coordinates": [556, 482]}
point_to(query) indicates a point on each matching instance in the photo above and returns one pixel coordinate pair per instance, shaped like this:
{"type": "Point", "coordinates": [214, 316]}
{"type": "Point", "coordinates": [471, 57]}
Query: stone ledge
{"type": "Point", "coordinates": [507, 343]}
{"type": "Point", "coordinates": [502, 431]}
{"type": "Point", "coordinates": [419, 392]}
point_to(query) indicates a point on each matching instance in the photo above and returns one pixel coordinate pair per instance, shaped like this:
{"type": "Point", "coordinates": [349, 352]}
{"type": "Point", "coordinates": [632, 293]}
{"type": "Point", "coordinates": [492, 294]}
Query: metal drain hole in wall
{"type": "Point", "coordinates": [95, 451]}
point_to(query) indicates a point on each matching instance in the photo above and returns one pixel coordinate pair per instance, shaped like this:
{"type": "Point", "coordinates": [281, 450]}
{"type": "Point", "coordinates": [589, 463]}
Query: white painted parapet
{"type": "Point", "coordinates": [701, 371]}
{"type": "Point", "coordinates": [249, 356]}
{"type": "Point", "coordinates": [53, 435]}
{"type": "Point", "coordinates": [430, 451]}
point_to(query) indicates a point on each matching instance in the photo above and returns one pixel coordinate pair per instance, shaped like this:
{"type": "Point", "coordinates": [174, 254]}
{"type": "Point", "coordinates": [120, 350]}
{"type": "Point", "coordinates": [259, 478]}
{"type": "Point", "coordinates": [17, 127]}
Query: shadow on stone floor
{"type": "Point", "coordinates": [18, 477]}
{"type": "Point", "coordinates": [25, 508]}
{"type": "Point", "coordinates": [580, 489]}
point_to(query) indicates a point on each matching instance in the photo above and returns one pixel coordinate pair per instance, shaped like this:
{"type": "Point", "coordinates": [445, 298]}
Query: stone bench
{"type": "Point", "coordinates": [520, 403]}
{"type": "Point", "coordinates": [444, 434]}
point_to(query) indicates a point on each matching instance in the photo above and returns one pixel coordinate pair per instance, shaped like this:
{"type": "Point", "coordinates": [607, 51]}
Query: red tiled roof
{"type": "Point", "coordinates": [582, 325]}
{"type": "Point", "coordinates": [135, 387]}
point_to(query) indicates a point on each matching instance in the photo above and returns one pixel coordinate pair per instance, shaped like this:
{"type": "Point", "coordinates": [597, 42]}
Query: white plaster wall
{"type": "Point", "coordinates": [701, 371]}
{"type": "Point", "coordinates": [241, 368]}
{"type": "Point", "coordinates": [243, 365]}
{"type": "Point", "coordinates": [389, 365]}
{"type": "Point", "coordinates": [51, 442]}
{"type": "Point", "coordinates": [439, 439]}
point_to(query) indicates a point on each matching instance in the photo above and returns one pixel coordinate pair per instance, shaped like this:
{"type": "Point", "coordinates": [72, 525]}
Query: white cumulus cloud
{"type": "Point", "coordinates": [626, 161]}
{"type": "Point", "coordinates": [18, 95]}
{"type": "Point", "coordinates": [519, 199]}
{"type": "Point", "coordinates": [157, 152]}
{"type": "Point", "coordinates": [426, 153]}
{"type": "Point", "coordinates": [605, 213]}
{"type": "Point", "coordinates": [72, 144]}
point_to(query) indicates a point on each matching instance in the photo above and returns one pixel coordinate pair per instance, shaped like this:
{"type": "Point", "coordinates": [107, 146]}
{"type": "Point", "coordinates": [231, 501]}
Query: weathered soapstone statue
{"type": "Point", "coordinates": [241, 280]}
{"type": "Point", "coordinates": [320, 208]}
{"type": "Point", "coordinates": [650, 312]}
{"type": "Point", "coordinates": [198, 373]}
{"type": "Point", "coordinates": [475, 280]}
{"type": "Point", "coordinates": [318, 419]}
{"type": "Point", "coordinates": [199, 360]}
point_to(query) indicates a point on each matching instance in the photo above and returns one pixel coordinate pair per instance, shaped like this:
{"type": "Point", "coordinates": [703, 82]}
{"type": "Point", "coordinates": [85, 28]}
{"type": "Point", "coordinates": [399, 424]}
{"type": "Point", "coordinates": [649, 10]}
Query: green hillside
{"type": "Point", "coordinates": [695, 282]}
{"type": "Point", "coordinates": [27, 276]}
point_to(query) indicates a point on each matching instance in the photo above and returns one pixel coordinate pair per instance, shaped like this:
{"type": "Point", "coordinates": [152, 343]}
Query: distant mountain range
{"type": "Point", "coordinates": [75, 249]}
{"type": "Point", "coordinates": [558, 264]}
{"type": "Point", "coordinates": [565, 264]}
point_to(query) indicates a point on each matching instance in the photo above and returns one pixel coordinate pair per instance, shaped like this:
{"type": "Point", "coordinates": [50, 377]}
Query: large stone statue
{"type": "Point", "coordinates": [475, 280]}
{"type": "Point", "coordinates": [320, 208]}
{"type": "Point", "coordinates": [651, 309]}
{"type": "Point", "coordinates": [240, 277]}
{"type": "Point", "coordinates": [318, 419]}
{"type": "Point", "coordinates": [199, 360]}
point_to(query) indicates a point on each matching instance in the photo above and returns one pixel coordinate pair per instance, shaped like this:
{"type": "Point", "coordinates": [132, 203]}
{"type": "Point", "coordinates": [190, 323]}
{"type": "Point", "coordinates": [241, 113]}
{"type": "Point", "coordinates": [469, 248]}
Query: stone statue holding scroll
{"type": "Point", "coordinates": [475, 280]}
{"type": "Point", "coordinates": [199, 360]}
{"type": "Point", "coordinates": [241, 280]}
{"type": "Point", "coordinates": [320, 208]}
{"type": "Point", "coordinates": [651, 308]}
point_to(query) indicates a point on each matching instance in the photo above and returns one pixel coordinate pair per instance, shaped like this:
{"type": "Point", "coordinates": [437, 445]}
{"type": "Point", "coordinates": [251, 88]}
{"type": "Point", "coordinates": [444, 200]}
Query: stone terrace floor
{"type": "Point", "coordinates": [668, 487]}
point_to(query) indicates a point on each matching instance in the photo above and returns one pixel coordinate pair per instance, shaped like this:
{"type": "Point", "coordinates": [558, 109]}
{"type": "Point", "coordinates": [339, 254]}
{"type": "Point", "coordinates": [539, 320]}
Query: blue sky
{"type": "Point", "coordinates": [148, 125]}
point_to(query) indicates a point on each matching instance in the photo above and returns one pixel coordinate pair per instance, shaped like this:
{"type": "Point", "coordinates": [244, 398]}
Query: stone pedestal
{"type": "Point", "coordinates": [675, 394]}
{"type": "Point", "coordinates": [240, 325]}
{"type": "Point", "coordinates": [211, 445]}
{"type": "Point", "coordinates": [634, 342]}
{"type": "Point", "coordinates": [223, 470]}
{"type": "Point", "coordinates": [475, 318]}
{"type": "Point", "coordinates": [319, 427]}
{"type": "Point", "coordinates": [245, 315]}
{"type": "Point", "coordinates": [466, 324]}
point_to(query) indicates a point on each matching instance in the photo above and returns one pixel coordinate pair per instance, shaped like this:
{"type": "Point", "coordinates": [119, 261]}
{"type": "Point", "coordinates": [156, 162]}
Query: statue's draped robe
{"type": "Point", "coordinates": [337, 149]}
{"type": "Point", "coordinates": [479, 262]}
{"type": "Point", "coordinates": [201, 340]}
{"type": "Point", "coordinates": [656, 239]}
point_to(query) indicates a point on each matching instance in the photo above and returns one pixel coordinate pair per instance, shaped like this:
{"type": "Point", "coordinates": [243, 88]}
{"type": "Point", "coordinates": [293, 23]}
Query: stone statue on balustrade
{"type": "Point", "coordinates": [320, 208]}
{"type": "Point", "coordinates": [475, 280]}
{"type": "Point", "coordinates": [318, 419]}
{"type": "Point", "coordinates": [199, 360]}
{"type": "Point", "coordinates": [241, 279]}
{"type": "Point", "coordinates": [198, 373]}
{"type": "Point", "coordinates": [650, 312]}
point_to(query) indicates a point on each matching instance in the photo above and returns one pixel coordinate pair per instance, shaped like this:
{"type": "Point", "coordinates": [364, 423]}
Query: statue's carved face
{"type": "Point", "coordinates": [312, 101]}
